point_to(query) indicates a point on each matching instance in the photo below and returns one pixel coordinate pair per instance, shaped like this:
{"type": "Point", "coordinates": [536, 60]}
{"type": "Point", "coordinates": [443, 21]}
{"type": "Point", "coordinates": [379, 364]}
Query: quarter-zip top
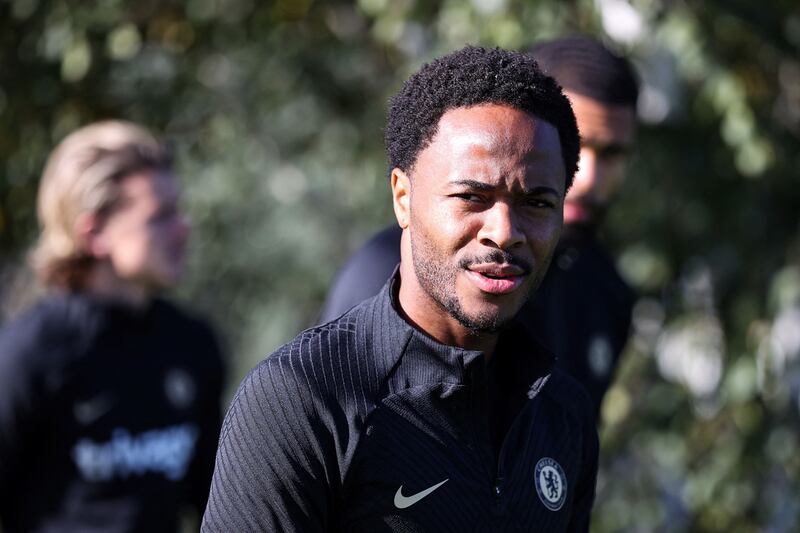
{"type": "Point", "coordinates": [367, 424]}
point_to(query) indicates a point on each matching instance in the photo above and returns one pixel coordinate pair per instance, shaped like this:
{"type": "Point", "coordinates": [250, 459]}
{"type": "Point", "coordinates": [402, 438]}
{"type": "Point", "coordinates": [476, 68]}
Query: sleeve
{"type": "Point", "coordinates": [213, 378]}
{"type": "Point", "coordinates": [585, 491]}
{"type": "Point", "coordinates": [21, 398]}
{"type": "Point", "coordinates": [364, 274]}
{"type": "Point", "coordinates": [275, 465]}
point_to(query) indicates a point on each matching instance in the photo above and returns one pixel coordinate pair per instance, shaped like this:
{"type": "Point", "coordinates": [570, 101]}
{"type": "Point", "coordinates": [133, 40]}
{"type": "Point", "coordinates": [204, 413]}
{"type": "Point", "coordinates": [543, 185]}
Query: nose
{"type": "Point", "coordinates": [500, 228]}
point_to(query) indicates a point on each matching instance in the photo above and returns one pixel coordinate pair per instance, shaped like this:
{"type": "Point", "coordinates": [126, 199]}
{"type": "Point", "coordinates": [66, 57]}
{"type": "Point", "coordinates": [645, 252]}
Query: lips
{"type": "Point", "coordinates": [495, 278]}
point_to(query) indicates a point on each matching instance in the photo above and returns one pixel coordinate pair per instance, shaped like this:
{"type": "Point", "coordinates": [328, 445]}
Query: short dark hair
{"type": "Point", "coordinates": [469, 77]}
{"type": "Point", "coordinates": [588, 67]}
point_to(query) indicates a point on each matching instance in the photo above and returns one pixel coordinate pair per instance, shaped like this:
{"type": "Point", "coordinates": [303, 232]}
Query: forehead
{"type": "Point", "coordinates": [601, 123]}
{"type": "Point", "coordinates": [496, 129]}
{"type": "Point", "coordinates": [493, 140]}
{"type": "Point", "coordinates": [149, 185]}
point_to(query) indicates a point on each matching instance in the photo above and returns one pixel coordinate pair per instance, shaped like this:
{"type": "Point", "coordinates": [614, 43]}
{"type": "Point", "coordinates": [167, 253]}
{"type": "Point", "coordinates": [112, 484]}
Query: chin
{"type": "Point", "coordinates": [486, 319]}
{"type": "Point", "coordinates": [485, 325]}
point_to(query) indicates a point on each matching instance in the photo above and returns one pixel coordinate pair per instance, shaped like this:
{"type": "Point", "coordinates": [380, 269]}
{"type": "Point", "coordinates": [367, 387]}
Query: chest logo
{"type": "Point", "coordinates": [551, 483]}
{"type": "Point", "coordinates": [179, 388]}
{"type": "Point", "coordinates": [401, 502]}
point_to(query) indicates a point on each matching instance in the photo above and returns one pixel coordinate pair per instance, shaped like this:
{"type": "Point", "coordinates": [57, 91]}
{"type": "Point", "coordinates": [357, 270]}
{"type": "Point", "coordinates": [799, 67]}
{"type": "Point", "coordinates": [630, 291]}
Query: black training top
{"type": "Point", "coordinates": [365, 424]}
{"type": "Point", "coordinates": [581, 311]}
{"type": "Point", "coordinates": [108, 418]}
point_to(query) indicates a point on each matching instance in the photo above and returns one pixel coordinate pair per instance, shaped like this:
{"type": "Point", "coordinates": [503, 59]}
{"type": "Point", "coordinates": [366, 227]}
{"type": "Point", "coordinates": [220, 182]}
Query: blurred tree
{"type": "Point", "coordinates": [276, 112]}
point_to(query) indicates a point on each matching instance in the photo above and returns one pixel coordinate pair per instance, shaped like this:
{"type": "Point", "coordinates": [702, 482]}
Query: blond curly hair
{"type": "Point", "coordinates": [82, 175]}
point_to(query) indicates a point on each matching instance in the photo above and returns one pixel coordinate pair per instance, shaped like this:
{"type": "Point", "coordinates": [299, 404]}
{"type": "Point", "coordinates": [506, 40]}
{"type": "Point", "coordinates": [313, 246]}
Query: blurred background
{"type": "Point", "coordinates": [276, 109]}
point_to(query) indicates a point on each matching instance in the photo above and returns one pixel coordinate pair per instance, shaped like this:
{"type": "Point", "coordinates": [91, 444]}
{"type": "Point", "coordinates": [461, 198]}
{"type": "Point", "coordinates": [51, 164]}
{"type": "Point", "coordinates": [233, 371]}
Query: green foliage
{"type": "Point", "coordinates": [276, 112]}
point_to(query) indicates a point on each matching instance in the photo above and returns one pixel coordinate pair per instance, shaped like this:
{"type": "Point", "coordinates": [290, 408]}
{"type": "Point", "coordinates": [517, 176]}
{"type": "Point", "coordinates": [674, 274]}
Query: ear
{"type": "Point", "coordinates": [90, 235]}
{"type": "Point", "coordinates": [401, 197]}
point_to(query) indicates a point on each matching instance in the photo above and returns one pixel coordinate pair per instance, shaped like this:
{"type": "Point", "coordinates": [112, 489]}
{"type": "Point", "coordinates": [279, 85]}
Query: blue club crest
{"type": "Point", "coordinates": [551, 483]}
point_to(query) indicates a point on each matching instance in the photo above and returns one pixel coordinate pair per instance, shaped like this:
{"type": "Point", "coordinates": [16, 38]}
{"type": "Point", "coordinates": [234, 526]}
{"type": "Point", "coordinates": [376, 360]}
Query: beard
{"type": "Point", "coordinates": [438, 279]}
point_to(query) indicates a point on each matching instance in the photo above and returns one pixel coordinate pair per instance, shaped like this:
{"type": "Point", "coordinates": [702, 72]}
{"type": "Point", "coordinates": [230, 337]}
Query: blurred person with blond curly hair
{"type": "Point", "coordinates": [109, 395]}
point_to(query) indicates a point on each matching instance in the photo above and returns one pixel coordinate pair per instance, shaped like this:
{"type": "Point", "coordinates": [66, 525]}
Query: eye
{"type": "Point", "coordinates": [469, 197]}
{"type": "Point", "coordinates": [540, 203]}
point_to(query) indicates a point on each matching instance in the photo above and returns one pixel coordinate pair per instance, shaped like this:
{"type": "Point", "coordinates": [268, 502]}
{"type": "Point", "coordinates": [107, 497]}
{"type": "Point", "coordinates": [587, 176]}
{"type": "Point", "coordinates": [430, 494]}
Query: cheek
{"type": "Point", "coordinates": [544, 233]}
{"type": "Point", "coordinates": [149, 238]}
{"type": "Point", "coordinates": [130, 255]}
{"type": "Point", "coordinates": [444, 227]}
{"type": "Point", "coordinates": [125, 246]}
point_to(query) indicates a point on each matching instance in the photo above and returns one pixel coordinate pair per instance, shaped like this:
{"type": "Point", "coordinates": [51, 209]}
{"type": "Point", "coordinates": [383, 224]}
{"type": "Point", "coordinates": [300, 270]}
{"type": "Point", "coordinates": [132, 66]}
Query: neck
{"type": "Point", "coordinates": [104, 283]}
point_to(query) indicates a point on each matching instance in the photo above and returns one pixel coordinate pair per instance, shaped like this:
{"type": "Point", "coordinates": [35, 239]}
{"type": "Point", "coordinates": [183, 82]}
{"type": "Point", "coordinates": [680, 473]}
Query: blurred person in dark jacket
{"type": "Point", "coordinates": [582, 310]}
{"type": "Point", "coordinates": [109, 395]}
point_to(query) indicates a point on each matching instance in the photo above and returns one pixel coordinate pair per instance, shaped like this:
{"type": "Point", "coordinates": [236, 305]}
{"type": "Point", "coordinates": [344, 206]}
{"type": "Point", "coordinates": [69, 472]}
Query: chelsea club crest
{"type": "Point", "coordinates": [551, 483]}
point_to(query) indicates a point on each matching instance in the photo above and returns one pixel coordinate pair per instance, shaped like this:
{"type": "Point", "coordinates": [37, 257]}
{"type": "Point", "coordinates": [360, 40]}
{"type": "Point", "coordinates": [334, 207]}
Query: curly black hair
{"type": "Point", "coordinates": [468, 77]}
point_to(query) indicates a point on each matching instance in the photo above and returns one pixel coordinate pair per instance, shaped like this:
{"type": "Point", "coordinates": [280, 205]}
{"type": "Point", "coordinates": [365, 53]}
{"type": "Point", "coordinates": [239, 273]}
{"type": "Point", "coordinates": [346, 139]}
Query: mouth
{"type": "Point", "coordinates": [496, 279]}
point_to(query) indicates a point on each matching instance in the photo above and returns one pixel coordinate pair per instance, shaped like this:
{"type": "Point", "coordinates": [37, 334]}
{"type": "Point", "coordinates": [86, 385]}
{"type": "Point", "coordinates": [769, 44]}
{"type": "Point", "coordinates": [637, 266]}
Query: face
{"type": "Point", "coordinates": [607, 132]}
{"type": "Point", "coordinates": [144, 237]}
{"type": "Point", "coordinates": [483, 206]}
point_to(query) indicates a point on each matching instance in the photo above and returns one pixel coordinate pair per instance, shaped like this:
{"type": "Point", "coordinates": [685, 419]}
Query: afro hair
{"type": "Point", "coordinates": [469, 77]}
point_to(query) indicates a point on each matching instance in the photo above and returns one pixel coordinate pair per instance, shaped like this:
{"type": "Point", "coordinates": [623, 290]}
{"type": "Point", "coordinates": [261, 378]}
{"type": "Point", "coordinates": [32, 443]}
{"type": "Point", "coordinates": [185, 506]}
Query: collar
{"type": "Point", "coordinates": [420, 359]}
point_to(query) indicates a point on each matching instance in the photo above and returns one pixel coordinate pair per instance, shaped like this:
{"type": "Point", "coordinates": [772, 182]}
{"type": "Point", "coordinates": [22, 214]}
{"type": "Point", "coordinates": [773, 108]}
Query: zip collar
{"type": "Point", "coordinates": [418, 359]}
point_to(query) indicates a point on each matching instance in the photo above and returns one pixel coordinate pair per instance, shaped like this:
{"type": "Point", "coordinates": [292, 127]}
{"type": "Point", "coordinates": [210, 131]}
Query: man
{"type": "Point", "coordinates": [426, 408]}
{"type": "Point", "coordinates": [583, 309]}
{"type": "Point", "coordinates": [109, 396]}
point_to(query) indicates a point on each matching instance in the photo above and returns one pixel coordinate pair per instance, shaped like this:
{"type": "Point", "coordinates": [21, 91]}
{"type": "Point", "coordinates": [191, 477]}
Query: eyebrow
{"type": "Point", "coordinates": [483, 186]}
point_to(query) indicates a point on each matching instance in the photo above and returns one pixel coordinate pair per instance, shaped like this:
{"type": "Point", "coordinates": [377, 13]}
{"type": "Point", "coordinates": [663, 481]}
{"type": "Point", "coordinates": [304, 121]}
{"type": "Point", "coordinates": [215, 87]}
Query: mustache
{"type": "Point", "coordinates": [499, 257]}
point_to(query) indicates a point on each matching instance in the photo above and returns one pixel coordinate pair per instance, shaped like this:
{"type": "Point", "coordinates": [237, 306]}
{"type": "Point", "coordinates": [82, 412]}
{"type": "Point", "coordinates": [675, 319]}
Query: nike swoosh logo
{"type": "Point", "coordinates": [401, 502]}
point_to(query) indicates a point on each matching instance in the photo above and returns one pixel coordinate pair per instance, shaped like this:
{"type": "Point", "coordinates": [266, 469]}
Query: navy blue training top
{"type": "Point", "coordinates": [366, 424]}
{"type": "Point", "coordinates": [109, 417]}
